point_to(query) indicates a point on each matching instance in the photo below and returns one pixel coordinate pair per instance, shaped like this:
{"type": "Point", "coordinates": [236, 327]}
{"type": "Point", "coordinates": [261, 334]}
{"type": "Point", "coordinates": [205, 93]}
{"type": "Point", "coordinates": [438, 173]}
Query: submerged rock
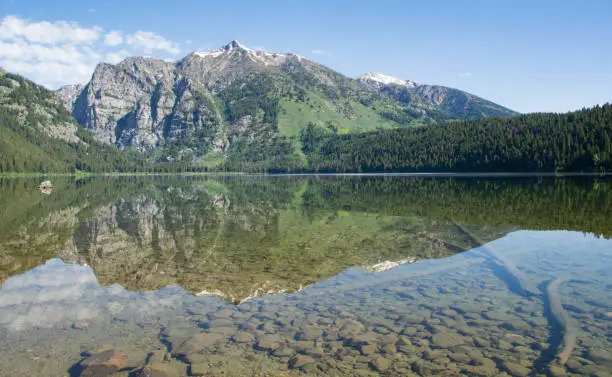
{"type": "Point", "coordinates": [499, 316]}
{"type": "Point", "coordinates": [103, 363]}
{"type": "Point", "coordinates": [158, 370]}
{"type": "Point", "coordinates": [557, 371]}
{"type": "Point", "coordinates": [516, 369]}
{"type": "Point", "coordinates": [199, 342]}
{"type": "Point", "coordinates": [156, 356]}
{"type": "Point", "coordinates": [483, 371]}
{"type": "Point", "coordinates": [198, 369]}
{"type": "Point", "coordinates": [365, 338]}
{"type": "Point", "coordinates": [601, 356]}
{"type": "Point", "coordinates": [300, 361]}
{"type": "Point", "coordinates": [380, 364]}
{"type": "Point", "coordinates": [447, 340]}
{"type": "Point", "coordinates": [268, 343]}
{"type": "Point", "coordinates": [351, 327]}
{"type": "Point", "coordinates": [283, 351]}
{"type": "Point", "coordinates": [310, 333]}
{"type": "Point", "coordinates": [368, 349]}
{"type": "Point", "coordinates": [243, 337]}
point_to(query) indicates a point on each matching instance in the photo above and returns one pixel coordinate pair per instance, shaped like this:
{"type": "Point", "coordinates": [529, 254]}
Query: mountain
{"type": "Point", "coordinates": [240, 123]}
{"type": "Point", "coordinates": [37, 134]}
{"type": "Point", "coordinates": [207, 101]}
{"type": "Point", "coordinates": [449, 103]}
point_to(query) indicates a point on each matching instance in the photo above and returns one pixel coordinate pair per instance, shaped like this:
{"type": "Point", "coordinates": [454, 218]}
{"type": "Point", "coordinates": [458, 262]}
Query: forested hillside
{"type": "Point", "coordinates": [572, 142]}
{"type": "Point", "coordinates": [37, 134]}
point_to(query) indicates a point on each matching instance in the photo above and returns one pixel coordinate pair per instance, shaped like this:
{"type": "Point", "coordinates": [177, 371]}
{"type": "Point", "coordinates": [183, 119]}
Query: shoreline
{"type": "Point", "coordinates": [324, 174]}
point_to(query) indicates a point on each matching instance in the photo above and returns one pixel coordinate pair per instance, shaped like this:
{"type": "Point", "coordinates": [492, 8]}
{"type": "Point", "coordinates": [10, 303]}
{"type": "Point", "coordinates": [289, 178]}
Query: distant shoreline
{"type": "Point", "coordinates": [440, 174]}
{"type": "Point", "coordinates": [327, 174]}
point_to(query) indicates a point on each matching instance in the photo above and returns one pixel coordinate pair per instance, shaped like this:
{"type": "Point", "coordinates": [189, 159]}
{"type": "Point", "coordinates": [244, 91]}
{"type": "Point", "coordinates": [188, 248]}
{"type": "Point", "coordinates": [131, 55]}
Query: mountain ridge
{"type": "Point", "coordinates": [205, 101]}
{"type": "Point", "coordinates": [31, 116]}
{"type": "Point", "coordinates": [453, 101]}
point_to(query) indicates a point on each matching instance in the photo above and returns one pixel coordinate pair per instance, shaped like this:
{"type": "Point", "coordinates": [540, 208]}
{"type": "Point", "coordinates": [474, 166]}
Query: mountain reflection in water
{"type": "Point", "coordinates": [122, 261]}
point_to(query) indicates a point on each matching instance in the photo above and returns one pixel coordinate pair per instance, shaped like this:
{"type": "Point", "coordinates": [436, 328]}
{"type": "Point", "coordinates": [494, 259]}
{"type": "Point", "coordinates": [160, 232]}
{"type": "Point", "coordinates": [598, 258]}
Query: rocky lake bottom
{"type": "Point", "coordinates": [360, 277]}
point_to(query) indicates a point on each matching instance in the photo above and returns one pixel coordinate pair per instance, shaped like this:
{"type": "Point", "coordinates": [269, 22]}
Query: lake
{"type": "Point", "coordinates": [306, 275]}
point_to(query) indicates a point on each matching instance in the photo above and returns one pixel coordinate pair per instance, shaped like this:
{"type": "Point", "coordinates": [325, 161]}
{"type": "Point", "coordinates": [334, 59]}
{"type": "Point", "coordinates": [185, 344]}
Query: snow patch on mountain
{"type": "Point", "coordinates": [213, 54]}
{"type": "Point", "coordinates": [256, 56]}
{"type": "Point", "coordinates": [380, 79]}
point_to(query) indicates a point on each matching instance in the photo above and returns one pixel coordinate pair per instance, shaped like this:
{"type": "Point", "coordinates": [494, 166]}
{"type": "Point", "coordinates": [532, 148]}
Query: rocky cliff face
{"type": "Point", "coordinates": [128, 104]}
{"type": "Point", "coordinates": [68, 94]}
{"type": "Point", "coordinates": [208, 99]}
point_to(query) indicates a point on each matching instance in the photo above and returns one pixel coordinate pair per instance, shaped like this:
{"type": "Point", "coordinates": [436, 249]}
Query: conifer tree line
{"type": "Point", "coordinates": [579, 141]}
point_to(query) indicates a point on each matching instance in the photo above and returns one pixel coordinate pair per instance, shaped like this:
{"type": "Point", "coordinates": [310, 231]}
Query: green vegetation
{"type": "Point", "coordinates": [295, 115]}
{"type": "Point", "coordinates": [30, 119]}
{"type": "Point", "coordinates": [572, 142]}
{"type": "Point", "coordinates": [278, 154]}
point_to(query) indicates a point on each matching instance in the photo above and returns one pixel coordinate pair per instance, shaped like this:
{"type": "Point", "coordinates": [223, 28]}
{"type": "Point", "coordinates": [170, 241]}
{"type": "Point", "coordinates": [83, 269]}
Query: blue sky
{"type": "Point", "coordinates": [526, 55]}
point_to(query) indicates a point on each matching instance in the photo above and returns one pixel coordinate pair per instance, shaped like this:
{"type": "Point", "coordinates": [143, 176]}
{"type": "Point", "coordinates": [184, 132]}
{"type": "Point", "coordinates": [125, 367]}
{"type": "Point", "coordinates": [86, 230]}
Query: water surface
{"type": "Point", "coordinates": [306, 275]}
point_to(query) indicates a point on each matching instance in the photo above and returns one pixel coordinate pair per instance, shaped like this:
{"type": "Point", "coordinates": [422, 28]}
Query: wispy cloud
{"type": "Point", "coordinates": [150, 42]}
{"type": "Point", "coordinates": [464, 74]}
{"type": "Point", "coordinates": [320, 52]}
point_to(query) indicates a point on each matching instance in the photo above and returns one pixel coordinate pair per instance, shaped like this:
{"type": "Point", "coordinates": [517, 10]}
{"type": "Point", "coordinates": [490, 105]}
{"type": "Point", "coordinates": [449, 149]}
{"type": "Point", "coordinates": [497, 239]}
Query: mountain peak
{"type": "Point", "coordinates": [234, 45]}
{"type": "Point", "coordinates": [255, 56]}
{"type": "Point", "coordinates": [379, 79]}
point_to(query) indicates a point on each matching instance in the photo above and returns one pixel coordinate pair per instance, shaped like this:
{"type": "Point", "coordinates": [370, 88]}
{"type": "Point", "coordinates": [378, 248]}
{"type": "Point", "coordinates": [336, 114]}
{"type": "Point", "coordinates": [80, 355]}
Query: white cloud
{"type": "Point", "coordinates": [464, 74]}
{"type": "Point", "coordinates": [321, 52]}
{"type": "Point", "coordinates": [116, 57]}
{"type": "Point", "coordinates": [150, 42]}
{"type": "Point", "coordinates": [188, 41]}
{"type": "Point", "coordinates": [51, 74]}
{"type": "Point", "coordinates": [62, 52]}
{"type": "Point", "coordinates": [46, 32]}
{"type": "Point", "coordinates": [22, 50]}
{"type": "Point", "coordinates": [49, 65]}
{"type": "Point", "coordinates": [114, 38]}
